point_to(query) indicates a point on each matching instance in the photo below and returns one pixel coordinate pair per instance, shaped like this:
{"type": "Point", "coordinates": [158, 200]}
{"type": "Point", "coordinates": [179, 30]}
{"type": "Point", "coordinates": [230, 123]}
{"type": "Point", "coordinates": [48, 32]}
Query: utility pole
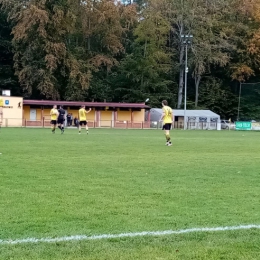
{"type": "Point", "coordinates": [186, 41]}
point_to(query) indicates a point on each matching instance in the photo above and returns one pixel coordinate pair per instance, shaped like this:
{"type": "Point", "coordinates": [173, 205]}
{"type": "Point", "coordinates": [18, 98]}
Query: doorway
{"type": "Point", "coordinates": [33, 114]}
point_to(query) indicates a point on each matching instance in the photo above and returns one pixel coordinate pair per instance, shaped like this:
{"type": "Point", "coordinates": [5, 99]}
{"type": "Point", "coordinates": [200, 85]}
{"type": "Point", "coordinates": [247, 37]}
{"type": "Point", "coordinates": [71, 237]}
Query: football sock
{"type": "Point", "coordinates": [59, 126]}
{"type": "Point", "coordinates": [168, 138]}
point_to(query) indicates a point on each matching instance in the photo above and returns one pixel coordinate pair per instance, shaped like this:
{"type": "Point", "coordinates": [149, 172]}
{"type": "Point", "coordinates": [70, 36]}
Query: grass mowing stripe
{"type": "Point", "coordinates": [123, 235]}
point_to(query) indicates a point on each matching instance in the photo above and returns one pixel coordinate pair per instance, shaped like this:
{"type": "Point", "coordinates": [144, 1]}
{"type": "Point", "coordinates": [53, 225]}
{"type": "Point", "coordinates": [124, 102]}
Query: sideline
{"type": "Point", "coordinates": [122, 235]}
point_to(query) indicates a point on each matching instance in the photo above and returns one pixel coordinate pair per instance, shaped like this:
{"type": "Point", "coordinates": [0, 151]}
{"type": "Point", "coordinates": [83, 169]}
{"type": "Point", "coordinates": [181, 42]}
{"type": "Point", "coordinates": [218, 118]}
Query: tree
{"type": "Point", "coordinates": [7, 78]}
{"type": "Point", "coordinates": [181, 15]}
{"type": "Point", "coordinates": [40, 29]}
{"type": "Point", "coordinates": [211, 45]}
{"type": "Point", "coordinates": [104, 26]}
{"type": "Point", "coordinates": [201, 19]}
{"type": "Point", "coordinates": [245, 24]}
{"type": "Point", "coordinates": [218, 98]}
{"type": "Point", "coordinates": [149, 64]}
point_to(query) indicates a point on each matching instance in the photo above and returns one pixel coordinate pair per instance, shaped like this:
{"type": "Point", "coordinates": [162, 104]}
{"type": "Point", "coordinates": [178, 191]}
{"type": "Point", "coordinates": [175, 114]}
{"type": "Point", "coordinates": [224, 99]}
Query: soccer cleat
{"type": "Point", "coordinates": [169, 144]}
{"type": "Point", "coordinates": [79, 133]}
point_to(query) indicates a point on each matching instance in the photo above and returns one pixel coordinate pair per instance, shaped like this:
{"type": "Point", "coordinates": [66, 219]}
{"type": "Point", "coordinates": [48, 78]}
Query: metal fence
{"type": "Point", "coordinates": [190, 125]}
{"type": "Point", "coordinates": [7, 122]}
{"type": "Point", "coordinates": [203, 125]}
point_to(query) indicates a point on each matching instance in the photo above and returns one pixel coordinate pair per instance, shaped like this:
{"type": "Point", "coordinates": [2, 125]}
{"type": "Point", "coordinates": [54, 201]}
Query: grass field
{"type": "Point", "coordinates": [118, 181]}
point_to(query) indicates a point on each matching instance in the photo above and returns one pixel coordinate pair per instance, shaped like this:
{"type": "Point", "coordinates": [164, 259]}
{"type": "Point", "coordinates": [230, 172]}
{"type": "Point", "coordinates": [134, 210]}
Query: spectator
{"type": "Point", "coordinates": [76, 121]}
{"type": "Point", "coordinates": [68, 119]}
{"type": "Point", "coordinates": [71, 119]}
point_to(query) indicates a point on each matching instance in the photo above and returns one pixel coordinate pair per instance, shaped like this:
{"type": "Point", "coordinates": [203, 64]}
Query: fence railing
{"type": "Point", "coordinates": [189, 125]}
{"type": "Point", "coordinates": [7, 122]}
{"type": "Point", "coordinates": [203, 125]}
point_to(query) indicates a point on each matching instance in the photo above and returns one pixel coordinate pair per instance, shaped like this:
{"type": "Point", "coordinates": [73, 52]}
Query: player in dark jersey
{"type": "Point", "coordinates": [61, 119]}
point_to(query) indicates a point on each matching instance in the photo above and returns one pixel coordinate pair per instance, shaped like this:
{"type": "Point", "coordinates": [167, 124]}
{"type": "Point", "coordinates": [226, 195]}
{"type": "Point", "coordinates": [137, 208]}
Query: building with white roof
{"type": "Point", "coordinates": [196, 119]}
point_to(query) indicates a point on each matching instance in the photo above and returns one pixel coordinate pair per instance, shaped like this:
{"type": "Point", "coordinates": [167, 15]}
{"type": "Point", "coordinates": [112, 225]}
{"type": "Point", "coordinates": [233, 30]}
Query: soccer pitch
{"type": "Point", "coordinates": [127, 181]}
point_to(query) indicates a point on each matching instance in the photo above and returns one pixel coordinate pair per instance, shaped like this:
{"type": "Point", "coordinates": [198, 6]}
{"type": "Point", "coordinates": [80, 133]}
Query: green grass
{"type": "Point", "coordinates": [116, 181]}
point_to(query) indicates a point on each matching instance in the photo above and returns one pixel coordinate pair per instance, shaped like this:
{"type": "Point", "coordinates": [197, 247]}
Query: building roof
{"type": "Point", "coordinates": [203, 113]}
{"type": "Point", "coordinates": [87, 104]}
{"type": "Point", "coordinates": [191, 113]}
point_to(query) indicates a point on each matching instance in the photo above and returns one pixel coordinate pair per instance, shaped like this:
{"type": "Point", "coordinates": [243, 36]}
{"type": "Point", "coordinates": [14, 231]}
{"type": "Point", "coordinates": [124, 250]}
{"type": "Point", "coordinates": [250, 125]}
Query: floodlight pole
{"type": "Point", "coordinates": [185, 87]}
{"type": "Point", "coordinates": [186, 40]}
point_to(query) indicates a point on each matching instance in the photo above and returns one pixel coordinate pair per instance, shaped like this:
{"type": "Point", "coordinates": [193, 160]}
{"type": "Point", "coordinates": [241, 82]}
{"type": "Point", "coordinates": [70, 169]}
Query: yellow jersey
{"type": "Point", "coordinates": [1, 102]}
{"type": "Point", "coordinates": [54, 114]}
{"type": "Point", "coordinates": [167, 115]}
{"type": "Point", "coordinates": [82, 114]}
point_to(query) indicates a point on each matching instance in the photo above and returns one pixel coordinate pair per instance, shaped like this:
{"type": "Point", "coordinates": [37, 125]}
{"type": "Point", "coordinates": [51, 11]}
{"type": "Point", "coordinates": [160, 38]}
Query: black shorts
{"type": "Point", "coordinates": [167, 126]}
{"type": "Point", "coordinates": [53, 122]}
{"type": "Point", "coordinates": [60, 121]}
{"type": "Point", "coordinates": [83, 123]}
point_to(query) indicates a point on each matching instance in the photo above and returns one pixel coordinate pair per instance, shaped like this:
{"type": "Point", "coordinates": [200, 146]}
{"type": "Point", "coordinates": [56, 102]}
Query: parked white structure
{"type": "Point", "coordinates": [196, 119]}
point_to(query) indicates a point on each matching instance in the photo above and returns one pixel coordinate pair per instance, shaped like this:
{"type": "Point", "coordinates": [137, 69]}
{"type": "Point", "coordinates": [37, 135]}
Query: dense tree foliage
{"type": "Point", "coordinates": [7, 77]}
{"type": "Point", "coordinates": [130, 50]}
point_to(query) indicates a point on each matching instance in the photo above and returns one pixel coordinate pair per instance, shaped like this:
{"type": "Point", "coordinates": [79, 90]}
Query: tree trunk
{"type": "Point", "coordinates": [180, 92]}
{"type": "Point", "coordinates": [197, 83]}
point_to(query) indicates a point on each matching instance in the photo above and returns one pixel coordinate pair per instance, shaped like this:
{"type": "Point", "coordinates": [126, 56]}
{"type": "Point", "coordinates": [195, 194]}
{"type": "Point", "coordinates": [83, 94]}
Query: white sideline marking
{"type": "Point", "coordinates": [137, 234]}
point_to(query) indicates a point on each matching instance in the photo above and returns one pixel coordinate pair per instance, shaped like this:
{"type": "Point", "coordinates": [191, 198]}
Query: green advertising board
{"type": "Point", "coordinates": [243, 125]}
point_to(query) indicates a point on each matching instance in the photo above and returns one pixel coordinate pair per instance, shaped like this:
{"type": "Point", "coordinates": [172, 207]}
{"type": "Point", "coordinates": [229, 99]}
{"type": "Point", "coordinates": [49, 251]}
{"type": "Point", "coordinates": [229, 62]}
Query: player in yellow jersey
{"type": "Point", "coordinates": [83, 118]}
{"type": "Point", "coordinates": [54, 115]}
{"type": "Point", "coordinates": [167, 118]}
